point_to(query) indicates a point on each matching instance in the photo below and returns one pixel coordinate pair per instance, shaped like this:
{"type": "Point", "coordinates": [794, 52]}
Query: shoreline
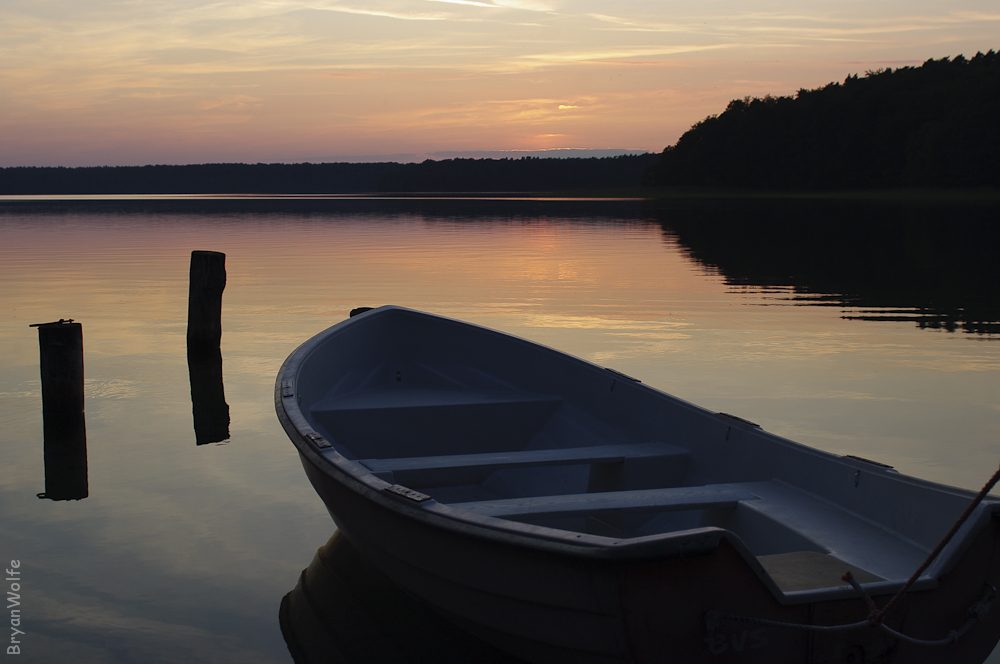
{"type": "Point", "coordinates": [622, 194]}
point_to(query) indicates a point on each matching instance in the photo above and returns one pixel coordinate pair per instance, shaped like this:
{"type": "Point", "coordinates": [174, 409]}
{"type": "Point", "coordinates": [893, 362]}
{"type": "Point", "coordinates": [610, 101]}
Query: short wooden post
{"type": "Point", "coordinates": [207, 281]}
{"type": "Point", "coordinates": [61, 348]}
{"type": "Point", "coordinates": [65, 444]}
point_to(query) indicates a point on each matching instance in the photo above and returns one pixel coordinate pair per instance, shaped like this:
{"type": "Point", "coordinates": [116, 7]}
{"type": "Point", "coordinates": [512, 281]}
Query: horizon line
{"type": "Point", "coordinates": [401, 158]}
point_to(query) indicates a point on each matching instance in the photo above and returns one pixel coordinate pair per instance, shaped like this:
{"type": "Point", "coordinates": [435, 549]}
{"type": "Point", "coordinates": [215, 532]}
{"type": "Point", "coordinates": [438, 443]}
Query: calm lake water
{"type": "Point", "coordinates": [865, 329]}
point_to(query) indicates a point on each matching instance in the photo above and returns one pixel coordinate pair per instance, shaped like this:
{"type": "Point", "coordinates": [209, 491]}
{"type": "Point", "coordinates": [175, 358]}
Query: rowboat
{"type": "Point", "coordinates": [565, 512]}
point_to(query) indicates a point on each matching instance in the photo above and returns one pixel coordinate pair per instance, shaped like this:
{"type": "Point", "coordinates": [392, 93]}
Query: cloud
{"type": "Point", "coordinates": [527, 5]}
{"type": "Point", "coordinates": [801, 27]}
{"type": "Point", "coordinates": [421, 16]}
{"type": "Point", "coordinates": [234, 102]}
{"type": "Point", "coordinates": [568, 57]}
{"type": "Point", "coordinates": [638, 24]}
{"type": "Point", "coordinates": [466, 2]}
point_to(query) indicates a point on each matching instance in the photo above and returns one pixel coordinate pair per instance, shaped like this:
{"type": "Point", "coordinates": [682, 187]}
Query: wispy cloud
{"type": "Point", "coordinates": [799, 26]}
{"type": "Point", "coordinates": [528, 5]}
{"type": "Point", "coordinates": [404, 16]}
{"type": "Point", "coordinates": [467, 2]}
{"type": "Point", "coordinates": [567, 57]}
{"type": "Point", "coordinates": [637, 24]}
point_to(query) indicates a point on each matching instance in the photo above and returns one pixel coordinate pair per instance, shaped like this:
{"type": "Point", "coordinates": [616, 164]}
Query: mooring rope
{"type": "Point", "coordinates": [879, 616]}
{"type": "Point", "coordinates": [714, 619]}
{"type": "Point", "coordinates": [876, 617]}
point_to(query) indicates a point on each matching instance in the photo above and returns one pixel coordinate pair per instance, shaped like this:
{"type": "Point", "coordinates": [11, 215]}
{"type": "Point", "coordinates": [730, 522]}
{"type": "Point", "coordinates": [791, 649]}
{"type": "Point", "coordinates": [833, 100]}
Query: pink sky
{"type": "Point", "coordinates": [112, 82]}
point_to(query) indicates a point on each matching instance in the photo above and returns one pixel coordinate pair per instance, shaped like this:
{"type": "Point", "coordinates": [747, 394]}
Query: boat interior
{"type": "Point", "coordinates": [543, 462]}
{"type": "Point", "coordinates": [600, 465]}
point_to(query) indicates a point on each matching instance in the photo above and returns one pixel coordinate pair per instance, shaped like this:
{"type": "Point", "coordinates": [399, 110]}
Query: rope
{"type": "Point", "coordinates": [861, 591]}
{"type": "Point", "coordinates": [714, 619]}
{"type": "Point", "coordinates": [977, 610]}
{"type": "Point", "coordinates": [879, 616]}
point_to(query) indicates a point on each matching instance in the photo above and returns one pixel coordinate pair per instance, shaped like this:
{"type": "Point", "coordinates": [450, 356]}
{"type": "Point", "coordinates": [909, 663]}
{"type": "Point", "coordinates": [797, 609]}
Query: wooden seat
{"type": "Point", "coordinates": [808, 522]}
{"type": "Point", "coordinates": [411, 468]}
{"type": "Point", "coordinates": [385, 423]}
{"type": "Point", "coordinates": [805, 570]}
{"type": "Point", "coordinates": [584, 504]}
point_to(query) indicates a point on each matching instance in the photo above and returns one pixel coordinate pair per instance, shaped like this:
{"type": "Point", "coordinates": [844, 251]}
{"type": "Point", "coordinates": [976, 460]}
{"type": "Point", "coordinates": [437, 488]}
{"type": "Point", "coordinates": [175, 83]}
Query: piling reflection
{"type": "Point", "coordinates": [934, 265]}
{"type": "Point", "coordinates": [345, 611]}
{"type": "Point", "coordinates": [65, 456]}
{"type": "Point", "coordinates": [208, 395]}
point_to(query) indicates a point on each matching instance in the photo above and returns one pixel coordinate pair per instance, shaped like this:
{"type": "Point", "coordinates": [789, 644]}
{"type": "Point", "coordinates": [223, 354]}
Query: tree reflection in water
{"type": "Point", "coordinates": [934, 264]}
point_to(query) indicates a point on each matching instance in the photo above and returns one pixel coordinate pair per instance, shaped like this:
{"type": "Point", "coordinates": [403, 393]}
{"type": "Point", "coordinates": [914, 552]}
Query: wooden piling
{"type": "Point", "coordinates": [207, 281]}
{"type": "Point", "coordinates": [61, 348]}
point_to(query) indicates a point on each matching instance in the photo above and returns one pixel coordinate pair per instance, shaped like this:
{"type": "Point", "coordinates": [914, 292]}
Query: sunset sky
{"type": "Point", "coordinates": [122, 82]}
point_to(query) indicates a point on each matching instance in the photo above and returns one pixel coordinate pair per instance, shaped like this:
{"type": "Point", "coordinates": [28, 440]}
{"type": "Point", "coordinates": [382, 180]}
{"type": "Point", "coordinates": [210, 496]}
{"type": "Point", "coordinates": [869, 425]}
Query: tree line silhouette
{"type": "Point", "coordinates": [196, 179]}
{"type": "Point", "coordinates": [527, 174]}
{"type": "Point", "coordinates": [933, 125]}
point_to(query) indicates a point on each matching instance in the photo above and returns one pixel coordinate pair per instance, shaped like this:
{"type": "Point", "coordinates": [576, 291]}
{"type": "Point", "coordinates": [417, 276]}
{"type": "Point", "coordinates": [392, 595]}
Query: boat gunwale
{"type": "Point", "coordinates": [660, 546]}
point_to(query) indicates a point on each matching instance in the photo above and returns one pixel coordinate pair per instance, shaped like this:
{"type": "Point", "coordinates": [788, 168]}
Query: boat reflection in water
{"type": "Point", "coordinates": [344, 610]}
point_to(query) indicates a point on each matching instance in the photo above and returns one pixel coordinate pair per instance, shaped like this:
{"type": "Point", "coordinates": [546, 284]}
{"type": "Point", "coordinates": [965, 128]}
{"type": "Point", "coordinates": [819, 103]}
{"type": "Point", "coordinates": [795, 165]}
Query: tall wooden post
{"type": "Point", "coordinates": [207, 281]}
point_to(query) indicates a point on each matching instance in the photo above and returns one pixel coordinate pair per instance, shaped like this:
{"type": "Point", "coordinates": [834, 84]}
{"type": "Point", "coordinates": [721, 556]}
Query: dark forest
{"type": "Point", "coordinates": [930, 126]}
{"type": "Point", "coordinates": [528, 174]}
